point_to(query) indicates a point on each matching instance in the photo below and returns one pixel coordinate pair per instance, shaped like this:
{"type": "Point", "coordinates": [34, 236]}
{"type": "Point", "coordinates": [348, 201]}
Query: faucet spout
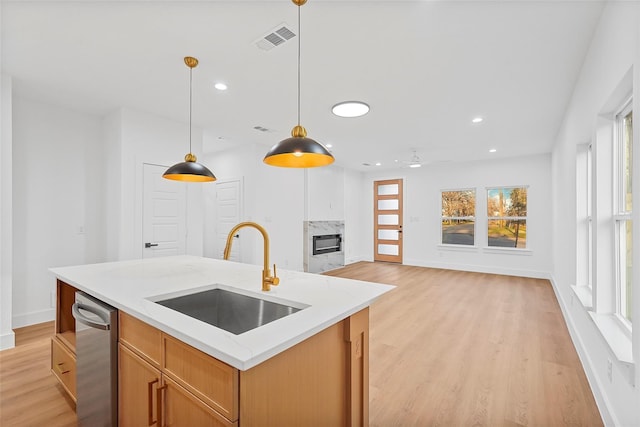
{"type": "Point", "coordinates": [267, 279]}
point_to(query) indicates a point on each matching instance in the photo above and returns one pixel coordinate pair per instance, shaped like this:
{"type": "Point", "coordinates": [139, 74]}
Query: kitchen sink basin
{"type": "Point", "coordinates": [228, 310]}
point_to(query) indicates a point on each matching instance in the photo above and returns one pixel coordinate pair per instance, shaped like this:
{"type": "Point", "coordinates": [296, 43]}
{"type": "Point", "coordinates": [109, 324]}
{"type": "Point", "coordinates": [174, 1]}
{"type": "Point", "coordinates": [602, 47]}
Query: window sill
{"type": "Point", "coordinates": [583, 293]}
{"type": "Point", "coordinates": [510, 251]}
{"type": "Point", "coordinates": [457, 248]}
{"type": "Point", "coordinates": [618, 340]}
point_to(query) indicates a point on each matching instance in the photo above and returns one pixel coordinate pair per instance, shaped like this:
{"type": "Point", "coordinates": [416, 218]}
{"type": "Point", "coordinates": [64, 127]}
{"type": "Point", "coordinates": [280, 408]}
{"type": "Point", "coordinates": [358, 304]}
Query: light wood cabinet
{"type": "Point", "coordinates": [184, 409]}
{"type": "Point", "coordinates": [63, 343]}
{"type": "Point", "coordinates": [139, 382]}
{"type": "Point", "coordinates": [165, 382]}
{"type": "Point", "coordinates": [321, 381]}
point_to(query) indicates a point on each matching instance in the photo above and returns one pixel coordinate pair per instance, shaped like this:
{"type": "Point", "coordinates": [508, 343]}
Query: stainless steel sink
{"type": "Point", "coordinates": [231, 311]}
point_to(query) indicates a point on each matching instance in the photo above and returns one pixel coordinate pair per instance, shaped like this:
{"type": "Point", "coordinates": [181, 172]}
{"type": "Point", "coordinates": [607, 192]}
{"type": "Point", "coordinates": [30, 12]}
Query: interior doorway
{"type": "Point", "coordinates": [387, 220]}
{"type": "Point", "coordinates": [228, 214]}
{"type": "Point", "coordinates": [164, 214]}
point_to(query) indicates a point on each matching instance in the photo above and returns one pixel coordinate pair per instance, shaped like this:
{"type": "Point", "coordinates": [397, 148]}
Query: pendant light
{"type": "Point", "coordinates": [298, 151]}
{"type": "Point", "coordinates": [189, 170]}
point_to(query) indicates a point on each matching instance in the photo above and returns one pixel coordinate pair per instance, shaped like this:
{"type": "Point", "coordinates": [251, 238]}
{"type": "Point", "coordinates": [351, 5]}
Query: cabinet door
{"type": "Point", "coordinates": [138, 383]}
{"type": "Point", "coordinates": [144, 338]}
{"type": "Point", "coordinates": [183, 409]}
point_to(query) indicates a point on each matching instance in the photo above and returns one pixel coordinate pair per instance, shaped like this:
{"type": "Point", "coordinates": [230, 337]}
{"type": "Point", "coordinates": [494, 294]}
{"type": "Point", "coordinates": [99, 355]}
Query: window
{"type": "Point", "coordinates": [584, 212]}
{"type": "Point", "coordinates": [507, 217]}
{"type": "Point", "coordinates": [458, 217]}
{"type": "Point", "coordinates": [622, 211]}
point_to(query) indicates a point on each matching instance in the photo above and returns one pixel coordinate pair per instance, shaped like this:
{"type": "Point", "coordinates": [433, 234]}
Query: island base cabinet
{"type": "Point", "coordinates": [138, 382]}
{"type": "Point", "coordinates": [183, 409]}
{"type": "Point", "coordinates": [323, 381]}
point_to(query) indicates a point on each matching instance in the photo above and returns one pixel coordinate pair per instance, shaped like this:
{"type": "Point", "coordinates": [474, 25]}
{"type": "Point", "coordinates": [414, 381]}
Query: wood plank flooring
{"type": "Point", "coordinates": [29, 394]}
{"type": "Point", "coordinates": [451, 348]}
{"type": "Point", "coordinates": [448, 348]}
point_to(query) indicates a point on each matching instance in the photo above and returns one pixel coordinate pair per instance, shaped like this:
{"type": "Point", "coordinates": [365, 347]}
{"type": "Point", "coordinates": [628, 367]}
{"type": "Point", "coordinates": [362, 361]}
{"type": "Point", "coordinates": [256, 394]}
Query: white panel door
{"type": "Point", "coordinates": [228, 214]}
{"type": "Point", "coordinates": [164, 214]}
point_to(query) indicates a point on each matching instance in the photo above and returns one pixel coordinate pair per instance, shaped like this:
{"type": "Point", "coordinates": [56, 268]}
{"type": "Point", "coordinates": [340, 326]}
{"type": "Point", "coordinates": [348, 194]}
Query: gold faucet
{"type": "Point", "coordinates": [267, 278]}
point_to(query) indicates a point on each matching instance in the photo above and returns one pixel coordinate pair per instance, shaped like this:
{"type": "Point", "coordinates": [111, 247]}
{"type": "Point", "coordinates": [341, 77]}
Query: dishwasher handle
{"type": "Point", "coordinates": [76, 307]}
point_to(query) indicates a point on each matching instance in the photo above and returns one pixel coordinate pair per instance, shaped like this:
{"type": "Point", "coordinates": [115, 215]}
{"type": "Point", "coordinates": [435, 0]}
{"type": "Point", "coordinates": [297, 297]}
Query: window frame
{"type": "Point", "coordinates": [473, 218]}
{"type": "Point", "coordinates": [622, 217]}
{"type": "Point", "coordinates": [512, 218]}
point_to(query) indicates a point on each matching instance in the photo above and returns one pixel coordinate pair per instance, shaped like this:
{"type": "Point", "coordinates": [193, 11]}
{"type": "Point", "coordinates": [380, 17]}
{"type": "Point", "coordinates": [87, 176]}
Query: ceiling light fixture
{"type": "Point", "coordinates": [298, 151]}
{"type": "Point", "coordinates": [477, 120]}
{"type": "Point", "coordinates": [350, 109]}
{"type": "Point", "coordinates": [493, 150]}
{"type": "Point", "coordinates": [189, 170]}
{"type": "Point", "coordinates": [220, 86]}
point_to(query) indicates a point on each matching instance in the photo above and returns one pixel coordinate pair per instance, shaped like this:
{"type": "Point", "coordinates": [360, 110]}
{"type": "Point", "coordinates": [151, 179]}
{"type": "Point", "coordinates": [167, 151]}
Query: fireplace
{"type": "Point", "coordinates": [324, 246]}
{"type": "Point", "coordinates": [327, 243]}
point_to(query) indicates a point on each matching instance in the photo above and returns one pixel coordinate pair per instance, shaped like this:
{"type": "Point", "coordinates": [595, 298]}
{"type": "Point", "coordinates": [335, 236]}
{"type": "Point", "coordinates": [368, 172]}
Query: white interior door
{"type": "Point", "coordinates": [164, 214]}
{"type": "Point", "coordinates": [228, 214]}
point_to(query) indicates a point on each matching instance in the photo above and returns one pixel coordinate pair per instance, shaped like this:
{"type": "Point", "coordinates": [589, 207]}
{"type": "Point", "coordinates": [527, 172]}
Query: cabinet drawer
{"type": "Point", "coordinates": [211, 380]}
{"type": "Point", "coordinates": [63, 366]}
{"type": "Point", "coordinates": [182, 408]}
{"type": "Point", "coordinates": [141, 337]}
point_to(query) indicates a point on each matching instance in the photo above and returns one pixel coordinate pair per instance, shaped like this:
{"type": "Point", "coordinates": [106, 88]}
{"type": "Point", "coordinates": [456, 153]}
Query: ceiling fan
{"type": "Point", "coordinates": [414, 162]}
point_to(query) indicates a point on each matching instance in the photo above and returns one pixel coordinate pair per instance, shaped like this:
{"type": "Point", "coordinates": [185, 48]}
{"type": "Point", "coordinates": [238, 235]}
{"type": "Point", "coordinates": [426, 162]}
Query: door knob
{"type": "Point", "coordinates": [148, 245]}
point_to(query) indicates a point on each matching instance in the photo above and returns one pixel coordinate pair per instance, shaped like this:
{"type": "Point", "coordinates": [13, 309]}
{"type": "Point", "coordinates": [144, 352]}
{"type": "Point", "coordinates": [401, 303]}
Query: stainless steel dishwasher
{"type": "Point", "coordinates": [97, 362]}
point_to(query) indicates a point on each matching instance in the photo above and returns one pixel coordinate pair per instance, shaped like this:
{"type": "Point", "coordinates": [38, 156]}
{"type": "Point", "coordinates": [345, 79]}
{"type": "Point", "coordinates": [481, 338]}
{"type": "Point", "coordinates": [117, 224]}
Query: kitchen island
{"type": "Point", "coordinates": [307, 368]}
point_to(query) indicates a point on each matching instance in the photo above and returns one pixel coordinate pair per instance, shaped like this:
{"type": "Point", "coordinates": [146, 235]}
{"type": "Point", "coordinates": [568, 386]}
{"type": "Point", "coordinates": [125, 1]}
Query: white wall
{"type": "Point", "coordinates": [615, 48]}
{"type": "Point", "coordinates": [324, 192]}
{"type": "Point", "coordinates": [136, 138]}
{"type": "Point", "coordinates": [422, 211]}
{"type": "Point", "coordinates": [57, 195]}
{"type": "Point", "coordinates": [7, 338]}
{"type": "Point", "coordinates": [355, 211]}
{"type": "Point", "coordinates": [273, 197]}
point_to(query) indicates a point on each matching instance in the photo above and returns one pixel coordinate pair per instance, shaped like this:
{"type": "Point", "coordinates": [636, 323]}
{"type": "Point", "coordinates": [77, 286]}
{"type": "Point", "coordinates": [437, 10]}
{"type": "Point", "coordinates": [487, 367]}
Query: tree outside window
{"type": "Point", "coordinates": [507, 217]}
{"type": "Point", "coordinates": [458, 217]}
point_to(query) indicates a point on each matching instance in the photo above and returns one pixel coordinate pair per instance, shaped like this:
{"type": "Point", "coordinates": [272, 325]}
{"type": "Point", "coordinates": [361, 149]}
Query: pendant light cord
{"type": "Point", "coordinates": [299, 37]}
{"type": "Point", "coordinates": [190, 103]}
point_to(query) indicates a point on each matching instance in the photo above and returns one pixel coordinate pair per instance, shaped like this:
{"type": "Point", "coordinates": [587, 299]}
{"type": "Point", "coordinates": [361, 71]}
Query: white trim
{"type": "Point", "coordinates": [7, 341]}
{"type": "Point", "coordinates": [608, 416]}
{"type": "Point", "coordinates": [508, 251]}
{"type": "Point", "coordinates": [584, 295]}
{"type": "Point", "coordinates": [457, 248]}
{"type": "Point", "coordinates": [535, 274]}
{"type": "Point", "coordinates": [33, 318]}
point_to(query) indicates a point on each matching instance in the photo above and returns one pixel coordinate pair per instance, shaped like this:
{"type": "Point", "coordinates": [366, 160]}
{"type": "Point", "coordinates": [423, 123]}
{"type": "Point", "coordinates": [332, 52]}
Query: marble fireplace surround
{"type": "Point", "coordinates": [322, 262]}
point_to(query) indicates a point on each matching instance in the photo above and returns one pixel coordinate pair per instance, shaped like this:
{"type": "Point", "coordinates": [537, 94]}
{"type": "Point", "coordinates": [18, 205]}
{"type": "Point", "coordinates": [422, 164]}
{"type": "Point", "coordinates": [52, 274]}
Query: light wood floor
{"type": "Point", "coordinates": [448, 349]}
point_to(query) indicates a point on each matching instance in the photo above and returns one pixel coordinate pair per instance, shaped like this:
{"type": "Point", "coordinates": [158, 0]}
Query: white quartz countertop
{"type": "Point", "coordinates": [132, 286]}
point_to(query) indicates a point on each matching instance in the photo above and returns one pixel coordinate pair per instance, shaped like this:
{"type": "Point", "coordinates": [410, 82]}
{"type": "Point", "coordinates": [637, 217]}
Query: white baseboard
{"type": "Point", "coordinates": [479, 269]}
{"type": "Point", "coordinates": [353, 260]}
{"type": "Point", "coordinates": [33, 318]}
{"type": "Point", "coordinates": [7, 341]}
{"type": "Point", "coordinates": [608, 417]}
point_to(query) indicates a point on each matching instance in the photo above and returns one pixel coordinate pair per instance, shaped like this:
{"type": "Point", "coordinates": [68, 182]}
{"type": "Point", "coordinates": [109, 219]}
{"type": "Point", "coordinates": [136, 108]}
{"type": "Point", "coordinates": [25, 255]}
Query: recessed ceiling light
{"type": "Point", "coordinates": [378, 164]}
{"type": "Point", "coordinates": [493, 150]}
{"type": "Point", "coordinates": [329, 145]}
{"type": "Point", "coordinates": [220, 86]}
{"type": "Point", "coordinates": [415, 165]}
{"type": "Point", "coordinates": [350, 109]}
{"type": "Point", "coordinates": [477, 120]}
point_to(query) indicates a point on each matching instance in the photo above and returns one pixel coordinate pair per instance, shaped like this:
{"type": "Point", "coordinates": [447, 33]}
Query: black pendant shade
{"type": "Point", "coordinates": [189, 170]}
{"type": "Point", "coordinates": [298, 151]}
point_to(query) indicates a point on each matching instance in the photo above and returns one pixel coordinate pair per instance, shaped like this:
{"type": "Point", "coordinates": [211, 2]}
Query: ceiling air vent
{"type": "Point", "coordinates": [275, 37]}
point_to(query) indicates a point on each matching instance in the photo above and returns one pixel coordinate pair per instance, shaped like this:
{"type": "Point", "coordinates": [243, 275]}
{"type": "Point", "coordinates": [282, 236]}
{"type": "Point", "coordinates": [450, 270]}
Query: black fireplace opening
{"type": "Point", "coordinates": [327, 243]}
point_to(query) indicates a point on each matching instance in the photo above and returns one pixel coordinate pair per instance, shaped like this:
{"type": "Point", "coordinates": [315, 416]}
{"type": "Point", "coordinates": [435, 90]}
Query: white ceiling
{"type": "Point", "coordinates": [426, 68]}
